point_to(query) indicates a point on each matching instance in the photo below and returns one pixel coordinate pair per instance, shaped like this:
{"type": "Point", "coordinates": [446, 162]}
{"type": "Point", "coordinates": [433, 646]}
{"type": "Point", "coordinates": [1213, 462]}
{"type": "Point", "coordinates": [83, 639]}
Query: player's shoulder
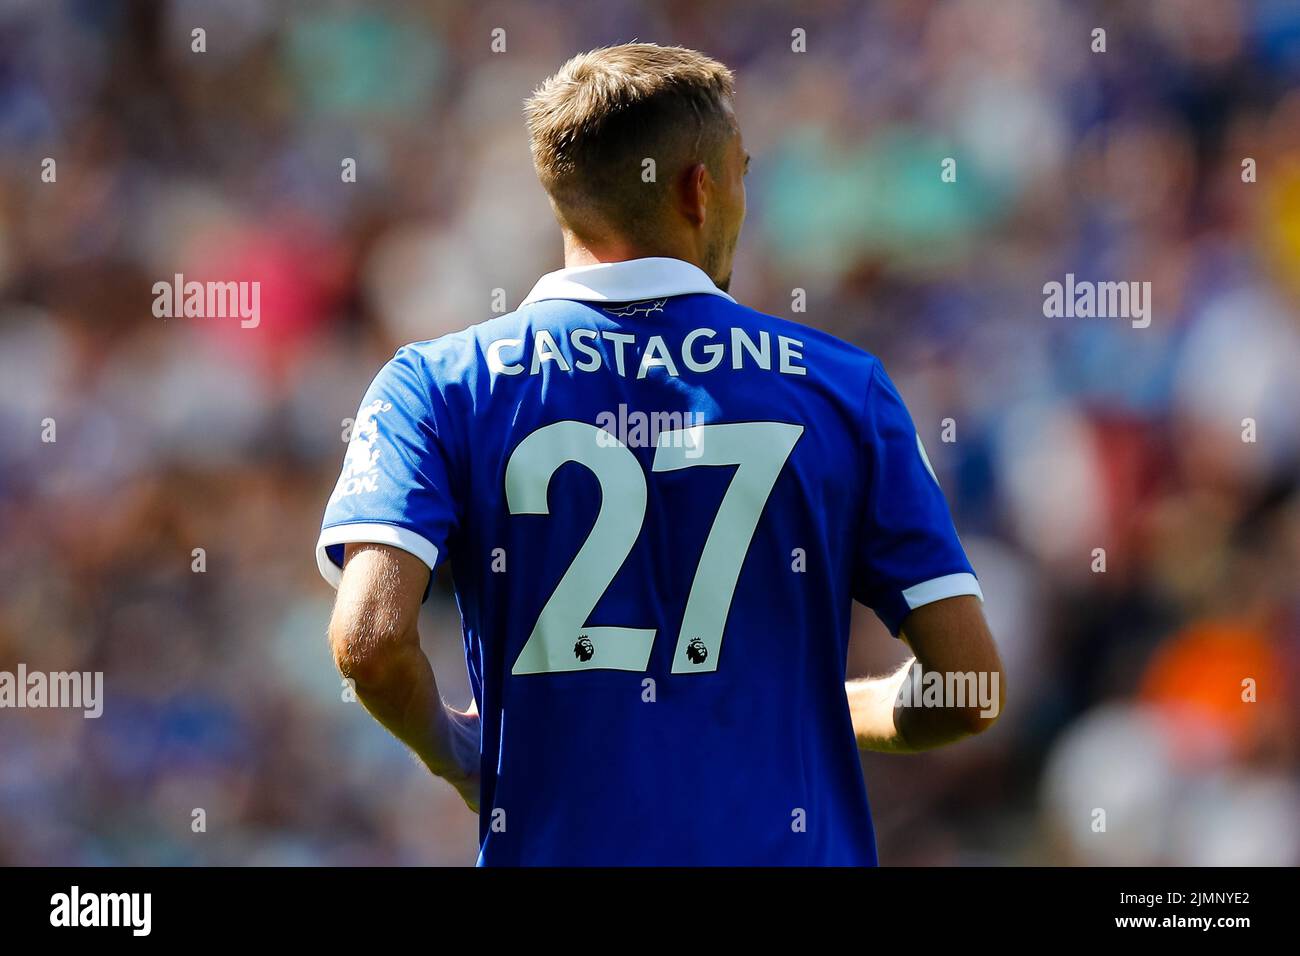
{"type": "Point", "coordinates": [455, 355]}
{"type": "Point", "coordinates": [469, 341]}
{"type": "Point", "coordinates": [831, 351]}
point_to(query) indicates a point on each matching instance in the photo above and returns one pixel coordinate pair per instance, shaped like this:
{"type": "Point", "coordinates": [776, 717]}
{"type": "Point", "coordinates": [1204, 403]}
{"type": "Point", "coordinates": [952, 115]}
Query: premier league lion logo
{"type": "Point", "coordinates": [584, 650]}
{"type": "Point", "coordinates": [361, 462]}
{"type": "Point", "coordinates": [696, 652]}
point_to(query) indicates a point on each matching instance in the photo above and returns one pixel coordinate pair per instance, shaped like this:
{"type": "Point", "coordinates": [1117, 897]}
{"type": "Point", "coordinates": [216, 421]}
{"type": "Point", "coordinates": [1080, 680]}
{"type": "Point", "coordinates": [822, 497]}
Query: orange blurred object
{"type": "Point", "coordinates": [1209, 679]}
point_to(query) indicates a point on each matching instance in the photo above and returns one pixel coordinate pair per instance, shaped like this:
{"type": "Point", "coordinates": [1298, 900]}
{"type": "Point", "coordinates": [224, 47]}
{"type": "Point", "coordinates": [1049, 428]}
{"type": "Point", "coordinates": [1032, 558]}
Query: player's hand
{"type": "Point", "coordinates": [463, 733]}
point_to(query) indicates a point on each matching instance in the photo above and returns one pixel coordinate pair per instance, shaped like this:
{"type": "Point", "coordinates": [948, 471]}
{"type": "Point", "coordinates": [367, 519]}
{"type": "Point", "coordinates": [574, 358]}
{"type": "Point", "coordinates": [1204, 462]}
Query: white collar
{"type": "Point", "coordinates": [628, 281]}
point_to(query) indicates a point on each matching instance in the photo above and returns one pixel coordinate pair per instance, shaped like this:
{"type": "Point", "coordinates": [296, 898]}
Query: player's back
{"type": "Point", "coordinates": [658, 506]}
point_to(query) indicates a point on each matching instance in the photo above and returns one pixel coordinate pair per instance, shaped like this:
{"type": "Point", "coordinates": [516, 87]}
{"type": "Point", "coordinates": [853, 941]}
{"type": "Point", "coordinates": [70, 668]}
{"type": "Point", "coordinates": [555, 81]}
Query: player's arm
{"type": "Point", "coordinates": [947, 637]}
{"type": "Point", "coordinates": [376, 644]}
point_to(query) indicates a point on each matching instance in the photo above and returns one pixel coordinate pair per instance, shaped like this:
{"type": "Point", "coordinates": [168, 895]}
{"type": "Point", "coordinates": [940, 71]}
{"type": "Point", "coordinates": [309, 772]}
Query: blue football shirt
{"type": "Point", "coordinates": [658, 507]}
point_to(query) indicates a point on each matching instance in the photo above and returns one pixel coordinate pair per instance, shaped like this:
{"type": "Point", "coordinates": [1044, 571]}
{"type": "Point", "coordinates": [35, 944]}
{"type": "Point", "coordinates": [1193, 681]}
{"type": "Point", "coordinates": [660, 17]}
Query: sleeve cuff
{"type": "Point", "coordinates": [331, 568]}
{"type": "Point", "coordinates": [936, 589]}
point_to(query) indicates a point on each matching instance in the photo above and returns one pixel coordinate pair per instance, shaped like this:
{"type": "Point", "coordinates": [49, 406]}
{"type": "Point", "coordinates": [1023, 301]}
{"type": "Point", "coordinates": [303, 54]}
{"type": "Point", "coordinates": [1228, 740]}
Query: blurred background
{"type": "Point", "coordinates": [1070, 434]}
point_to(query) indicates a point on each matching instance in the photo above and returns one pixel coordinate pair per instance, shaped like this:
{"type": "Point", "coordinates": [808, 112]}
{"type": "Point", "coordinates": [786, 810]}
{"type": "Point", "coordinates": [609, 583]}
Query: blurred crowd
{"type": "Point", "coordinates": [1128, 495]}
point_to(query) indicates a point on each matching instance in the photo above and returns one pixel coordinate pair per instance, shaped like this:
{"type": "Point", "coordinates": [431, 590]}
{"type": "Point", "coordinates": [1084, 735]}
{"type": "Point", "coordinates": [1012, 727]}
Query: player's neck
{"type": "Point", "coordinates": [579, 253]}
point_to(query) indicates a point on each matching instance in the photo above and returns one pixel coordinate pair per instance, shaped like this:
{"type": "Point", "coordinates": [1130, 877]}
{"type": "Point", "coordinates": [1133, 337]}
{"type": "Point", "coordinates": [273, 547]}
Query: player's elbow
{"type": "Point", "coordinates": [362, 654]}
{"type": "Point", "coordinates": [349, 649]}
{"type": "Point", "coordinates": [985, 702]}
{"type": "Point", "coordinates": [971, 721]}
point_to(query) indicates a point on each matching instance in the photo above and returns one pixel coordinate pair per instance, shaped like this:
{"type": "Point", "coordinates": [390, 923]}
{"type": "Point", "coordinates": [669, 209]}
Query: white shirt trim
{"type": "Point", "coordinates": [629, 281]}
{"type": "Point", "coordinates": [936, 589]}
{"type": "Point", "coordinates": [370, 533]}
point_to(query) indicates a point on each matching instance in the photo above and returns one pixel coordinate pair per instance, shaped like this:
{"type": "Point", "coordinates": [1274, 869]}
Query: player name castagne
{"type": "Point", "coordinates": [701, 350]}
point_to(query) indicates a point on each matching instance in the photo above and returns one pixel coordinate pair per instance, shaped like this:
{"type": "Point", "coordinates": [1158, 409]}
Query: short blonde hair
{"type": "Point", "coordinates": [593, 123]}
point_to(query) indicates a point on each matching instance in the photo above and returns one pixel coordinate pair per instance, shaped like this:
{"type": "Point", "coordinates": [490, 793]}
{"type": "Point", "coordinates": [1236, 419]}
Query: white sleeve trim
{"type": "Point", "coordinates": [370, 533]}
{"type": "Point", "coordinates": [936, 589]}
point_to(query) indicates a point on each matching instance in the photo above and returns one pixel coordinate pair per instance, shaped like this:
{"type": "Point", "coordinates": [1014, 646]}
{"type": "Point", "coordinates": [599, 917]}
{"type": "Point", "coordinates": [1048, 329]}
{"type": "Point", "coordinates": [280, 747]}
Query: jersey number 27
{"type": "Point", "coordinates": [561, 639]}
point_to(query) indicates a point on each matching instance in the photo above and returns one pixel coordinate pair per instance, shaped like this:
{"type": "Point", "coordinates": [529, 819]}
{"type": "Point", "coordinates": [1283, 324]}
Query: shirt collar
{"type": "Point", "coordinates": [629, 281]}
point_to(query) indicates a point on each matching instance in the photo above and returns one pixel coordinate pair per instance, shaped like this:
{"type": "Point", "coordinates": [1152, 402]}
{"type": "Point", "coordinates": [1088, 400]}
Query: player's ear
{"type": "Point", "coordinates": [696, 190]}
